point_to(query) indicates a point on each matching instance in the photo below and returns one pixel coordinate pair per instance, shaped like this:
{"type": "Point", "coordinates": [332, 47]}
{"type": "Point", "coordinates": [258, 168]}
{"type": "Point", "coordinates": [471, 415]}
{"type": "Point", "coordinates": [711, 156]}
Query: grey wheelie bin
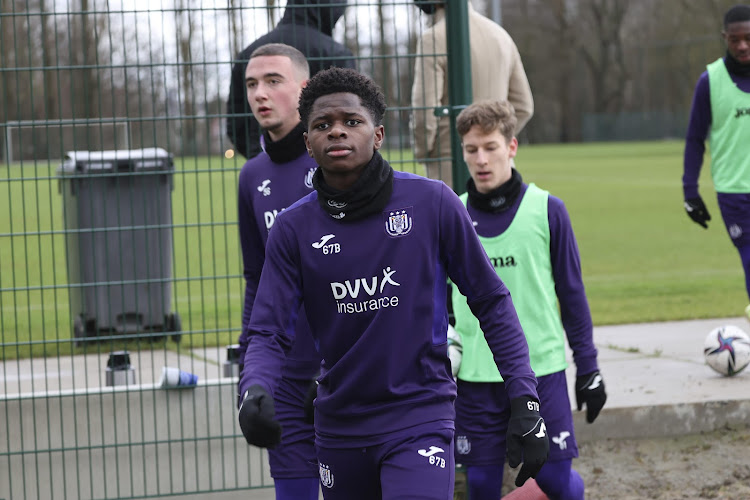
{"type": "Point", "coordinates": [118, 221]}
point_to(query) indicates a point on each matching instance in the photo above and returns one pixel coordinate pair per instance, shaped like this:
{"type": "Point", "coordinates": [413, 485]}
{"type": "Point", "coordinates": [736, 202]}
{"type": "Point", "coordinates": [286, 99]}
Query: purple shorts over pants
{"type": "Point", "coordinates": [295, 456]}
{"type": "Point", "coordinates": [413, 464]}
{"type": "Point", "coordinates": [735, 210]}
{"type": "Point", "coordinates": [483, 410]}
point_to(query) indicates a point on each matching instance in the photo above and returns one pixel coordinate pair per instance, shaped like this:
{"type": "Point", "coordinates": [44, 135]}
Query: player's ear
{"type": "Point", "coordinates": [513, 147]}
{"type": "Point", "coordinates": [379, 136]}
{"type": "Point", "coordinates": [307, 144]}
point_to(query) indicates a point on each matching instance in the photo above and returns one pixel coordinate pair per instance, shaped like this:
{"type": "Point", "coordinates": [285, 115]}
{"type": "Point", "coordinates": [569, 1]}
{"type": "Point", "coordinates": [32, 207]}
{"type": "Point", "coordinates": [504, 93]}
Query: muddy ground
{"type": "Point", "coordinates": [707, 466]}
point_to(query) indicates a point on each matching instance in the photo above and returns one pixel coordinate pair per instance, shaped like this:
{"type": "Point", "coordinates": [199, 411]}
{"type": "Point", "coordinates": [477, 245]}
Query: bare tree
{"type": "Point", "coordinates": [234, 17]}
{"type": "Point", "coordinates": [603, 53]}
{"type": "Point", "coordinates": [565, 39]}
{"type": "Point", "coordinates": [89, 92]}
{"type": "Point", "coordinates": [270, 13]}
{"type": "Point", "coordinates": [8, 55]}
{"type": "Point", "coordinates": [185, 30]}
{"type": "Point", "coordinates": [48, 61]}
{"type": "Point", "coordinates": [351, 31]}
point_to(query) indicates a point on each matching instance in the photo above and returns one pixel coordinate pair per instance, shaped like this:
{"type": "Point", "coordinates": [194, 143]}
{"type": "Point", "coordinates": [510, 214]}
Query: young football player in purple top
{"type": "Point", "coordinates": [269, 183]}
{"type": "Point", "coordinates": [530, 242]}
{"type": "Point", "coordinates": [721, 116]}
{"type": "Point", "coordinates": [367, 255]}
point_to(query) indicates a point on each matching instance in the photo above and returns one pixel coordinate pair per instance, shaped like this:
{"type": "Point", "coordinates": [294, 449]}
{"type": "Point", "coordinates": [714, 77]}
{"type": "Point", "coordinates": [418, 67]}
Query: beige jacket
{"type": "Point", "coordinates": [496, 71]}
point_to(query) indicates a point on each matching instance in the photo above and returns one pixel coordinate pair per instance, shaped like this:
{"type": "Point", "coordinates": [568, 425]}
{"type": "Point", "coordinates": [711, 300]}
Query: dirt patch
{"type": "Point", "coordinates": [714, 465]}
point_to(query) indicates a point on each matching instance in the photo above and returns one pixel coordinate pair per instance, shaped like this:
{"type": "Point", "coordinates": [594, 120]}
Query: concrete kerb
{"type": "Point", "coordinates": [658, 384]}
{"type": "Point", "coordinates": [643, 422]}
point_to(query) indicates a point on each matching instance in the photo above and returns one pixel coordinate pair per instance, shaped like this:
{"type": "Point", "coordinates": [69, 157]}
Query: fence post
{"type": "Point", "coordinates": [459, 79]}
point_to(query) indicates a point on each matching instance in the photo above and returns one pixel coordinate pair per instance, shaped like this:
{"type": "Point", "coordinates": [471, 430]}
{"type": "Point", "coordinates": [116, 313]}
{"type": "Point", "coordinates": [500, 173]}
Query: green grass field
{"type": "Point", "coordinates": [643, 259]}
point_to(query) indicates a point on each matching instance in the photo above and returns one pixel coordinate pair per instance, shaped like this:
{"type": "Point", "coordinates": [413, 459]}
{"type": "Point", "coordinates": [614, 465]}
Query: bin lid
{"type": "Point", "coordinates": [128, 160]}
{"type": "Point", "coordinates": [118, 360]}
{"type": "Point", "coordinates": [233, 353]}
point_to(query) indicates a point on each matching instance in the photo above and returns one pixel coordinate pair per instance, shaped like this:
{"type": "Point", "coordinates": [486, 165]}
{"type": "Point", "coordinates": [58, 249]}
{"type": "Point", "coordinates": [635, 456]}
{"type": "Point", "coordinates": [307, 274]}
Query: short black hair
{"type": "Point", "coordinates": [737, 14]}
{"type": "Point", "coordinates": [335, 80]}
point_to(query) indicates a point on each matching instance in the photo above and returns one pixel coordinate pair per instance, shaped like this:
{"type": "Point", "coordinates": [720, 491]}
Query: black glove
{"type": "Point", "coordinates": [312, 393]}
{"type": "Point", "coordinates": [590, 390]}
{"type": "Point", "coordinates": [697, 211]}
{"type": "Point", "coordinates": [256, 418]}
{"type": "Point", "coordinates": [527, 438]}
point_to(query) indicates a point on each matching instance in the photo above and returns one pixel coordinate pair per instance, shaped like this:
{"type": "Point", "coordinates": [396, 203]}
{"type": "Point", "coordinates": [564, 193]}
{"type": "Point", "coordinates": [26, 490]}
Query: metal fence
{"type": "Point", "coordinates": [118, 232]}
{"type": "Point", "coordinates": [103, 252]}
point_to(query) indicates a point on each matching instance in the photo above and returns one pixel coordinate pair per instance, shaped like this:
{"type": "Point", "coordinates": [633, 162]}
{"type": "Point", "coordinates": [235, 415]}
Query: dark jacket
{"type": "Point", "coordinates": [308, 28]}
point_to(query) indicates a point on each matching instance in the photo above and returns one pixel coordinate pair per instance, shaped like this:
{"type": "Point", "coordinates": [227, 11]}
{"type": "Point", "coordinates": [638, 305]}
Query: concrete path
{"type": "Point", "coordinates": [656, 379]}
{"type": "Point", "coordinates": [658, 383]}
{"type": "Point", "coordinates": [643, 364]}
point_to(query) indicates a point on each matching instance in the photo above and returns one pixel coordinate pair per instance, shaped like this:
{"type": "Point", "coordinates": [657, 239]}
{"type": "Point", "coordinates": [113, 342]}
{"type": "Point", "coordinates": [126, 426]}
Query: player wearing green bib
{"type": "Point", "coordinates": [528, 237]}
{"type": "Point", "coordinates": [720, 117]}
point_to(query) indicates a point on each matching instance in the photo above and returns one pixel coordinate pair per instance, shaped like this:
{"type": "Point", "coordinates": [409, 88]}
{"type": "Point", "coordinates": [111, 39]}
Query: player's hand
{"type": "Point", "coordinates": [527, 439]}
{"type": "Point", "coordinates": [312, 393]}
{"type": "Point", "coordinates": [697, 211]}
{"type": "Point", "coordinates": [256, 417]}
{"type": "Point", "coordinates": [590, 390]}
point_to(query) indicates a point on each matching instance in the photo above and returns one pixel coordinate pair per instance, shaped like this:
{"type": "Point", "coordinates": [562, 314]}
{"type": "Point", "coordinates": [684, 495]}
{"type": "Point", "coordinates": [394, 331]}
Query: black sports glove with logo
{"type": "Point", "coordinates": [312, 393]}
{"type": "Point", "coordinates": [527, 438]}
{"type": "Point", "coordinates": [256, 417]}
{"type": "Point", "coordinates": [697, 211]}
{"type": "Point", "coordinates": [590, 390]}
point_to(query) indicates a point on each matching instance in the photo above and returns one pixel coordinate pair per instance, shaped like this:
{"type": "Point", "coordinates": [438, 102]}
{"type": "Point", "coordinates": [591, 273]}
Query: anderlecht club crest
{"type": "Point", "coordinates": [399, 222]}
{"type": "Point", "coordinates": [463, 445]}
{"type": "Point", "coordinates": [326, 476]}
{"type": "Point", "coordinates": [309, 178]}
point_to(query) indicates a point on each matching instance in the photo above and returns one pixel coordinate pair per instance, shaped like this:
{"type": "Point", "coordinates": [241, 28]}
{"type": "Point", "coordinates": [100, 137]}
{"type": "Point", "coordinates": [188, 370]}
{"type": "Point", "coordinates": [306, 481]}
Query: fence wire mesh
{"type": "Point", "coordinates": [138, 251]}
{"type": "Point", "coordinates": [119, 234]}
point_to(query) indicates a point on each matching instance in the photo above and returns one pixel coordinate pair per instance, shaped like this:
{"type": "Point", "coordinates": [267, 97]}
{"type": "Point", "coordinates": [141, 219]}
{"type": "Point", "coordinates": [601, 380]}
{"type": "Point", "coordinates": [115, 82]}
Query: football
{"type": "Point", "coordinates": [455, 350]}
{"type": "Point", "coordinates": [727, 350]}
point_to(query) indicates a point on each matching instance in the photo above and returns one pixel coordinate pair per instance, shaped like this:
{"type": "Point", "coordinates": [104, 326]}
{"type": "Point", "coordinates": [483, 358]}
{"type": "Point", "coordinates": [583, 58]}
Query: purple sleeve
{"type": "Point", "coordinates": [695, 147]}
{"type": "Point", "coordinates": [488, 297]}
{"type": "Point", "coordinates": [566, 270]}
{"type": "Point", "coordinates": [253, 255]}
{"type": "Point", "coordinates": [277, 304]}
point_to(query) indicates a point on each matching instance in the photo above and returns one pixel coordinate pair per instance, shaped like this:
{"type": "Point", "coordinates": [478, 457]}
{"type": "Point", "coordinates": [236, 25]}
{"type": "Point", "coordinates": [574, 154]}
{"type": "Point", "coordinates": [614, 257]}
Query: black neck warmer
{"type": "Point", "coordinates": [735, 67]}
{"type": "Point", "coordinates": [497, 200]}
{"type": "Point", "coordinates": [288, 148]}
{"type": "Point", "coordinates": [368, 195]}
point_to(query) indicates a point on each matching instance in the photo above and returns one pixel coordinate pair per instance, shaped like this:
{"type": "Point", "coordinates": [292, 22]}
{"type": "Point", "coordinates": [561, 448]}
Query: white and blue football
{"type": "Point", "coordinates": [727, 350]}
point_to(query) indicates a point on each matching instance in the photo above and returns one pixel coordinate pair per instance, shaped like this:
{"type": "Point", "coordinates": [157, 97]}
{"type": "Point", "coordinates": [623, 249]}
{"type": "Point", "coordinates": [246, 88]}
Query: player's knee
{"type": "Point", "coordinates": [484, 481]}
{"type": "Point", "coordinates": [304, 488]}
{"type": "Point", "coordinates": [560, 482]}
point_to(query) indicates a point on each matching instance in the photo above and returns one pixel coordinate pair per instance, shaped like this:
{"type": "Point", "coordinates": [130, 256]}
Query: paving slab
{"type": "Point", "coordinates": [88, 371]}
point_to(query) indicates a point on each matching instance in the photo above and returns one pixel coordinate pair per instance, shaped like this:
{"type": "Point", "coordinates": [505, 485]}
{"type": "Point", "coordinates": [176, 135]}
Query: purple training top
{"type": "Point", "coordinates": [375, 296]}
{"type": "Point", "coordinates": [265, 189]}
{"type": "Point", "coordinates": [566, 271]}
{"type": "Point", "coordinates": [698, 128]}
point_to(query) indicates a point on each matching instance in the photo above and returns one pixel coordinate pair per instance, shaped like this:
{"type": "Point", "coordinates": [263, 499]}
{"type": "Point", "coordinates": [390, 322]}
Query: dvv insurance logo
{"type": "Point", "coordinates": [366, 294]}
